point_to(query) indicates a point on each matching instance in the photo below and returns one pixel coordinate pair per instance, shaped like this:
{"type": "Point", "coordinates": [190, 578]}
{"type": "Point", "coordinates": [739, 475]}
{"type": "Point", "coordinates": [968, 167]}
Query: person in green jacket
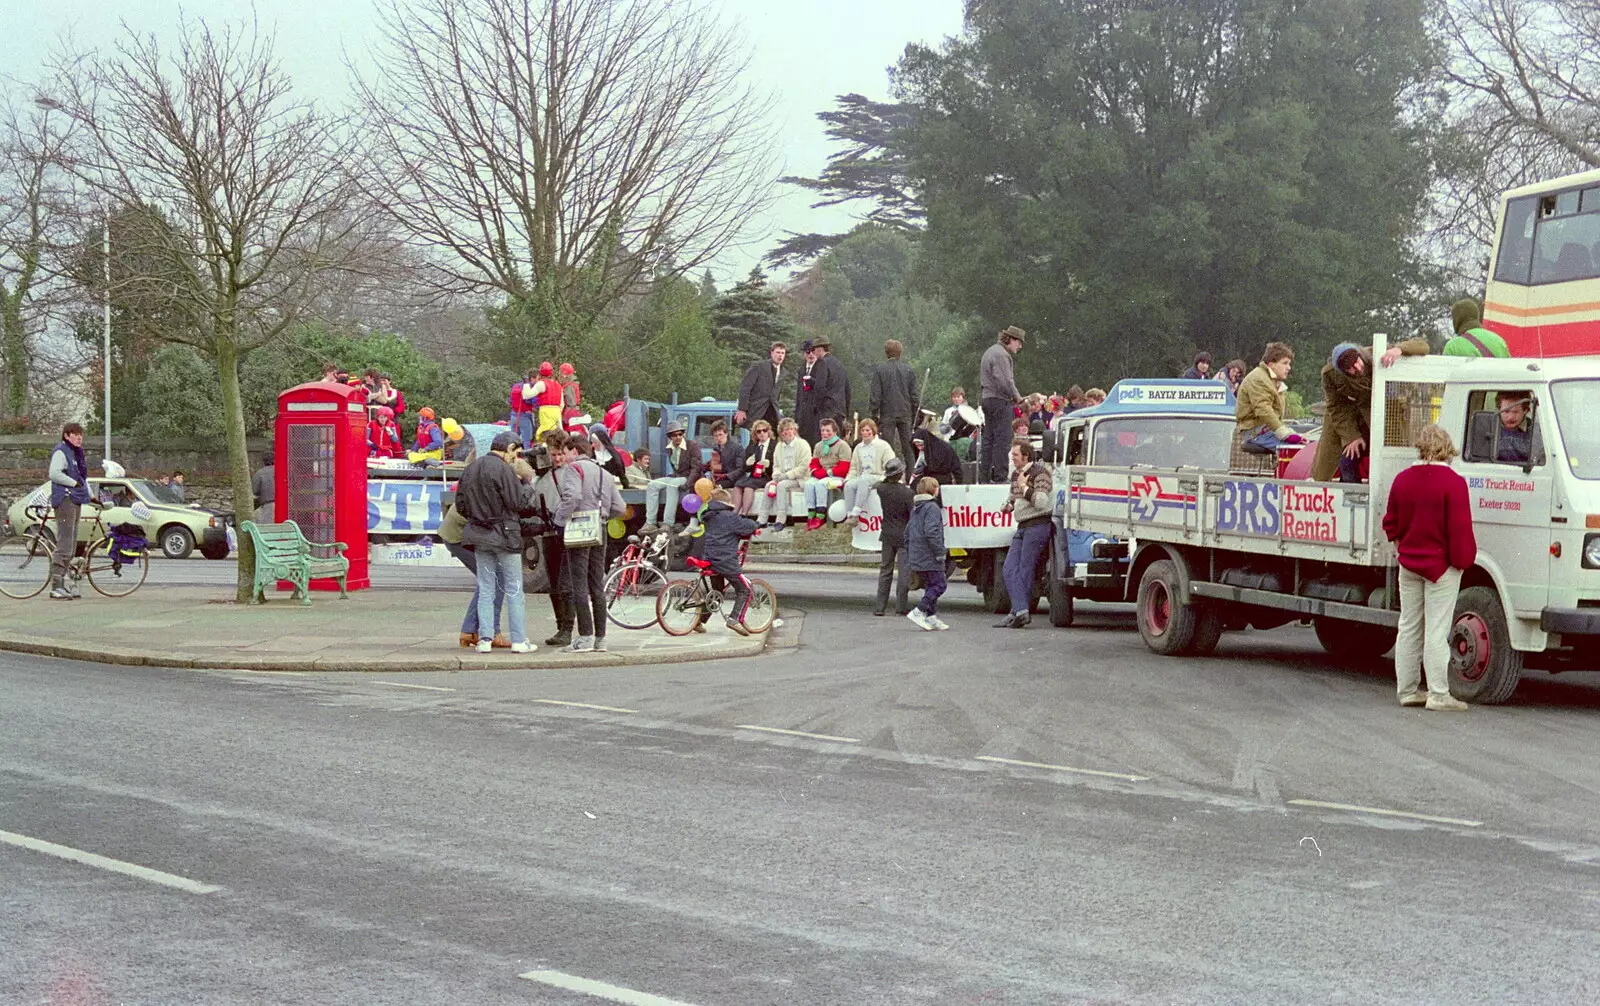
{"type": "Point", "coordinates": [1471, 338]}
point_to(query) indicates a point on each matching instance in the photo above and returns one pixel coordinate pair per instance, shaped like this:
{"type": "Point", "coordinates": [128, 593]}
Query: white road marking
{"type": "Point", "coordinates": [585, 705]}
{"type": "Point", "coordinates": [1127, 777]}
{"type": "Point", "coordinates": [1354, 808]}
{"type": "Point", "coordinates": [402, 684]}
{"type": "Point", "coordinates": [600, 990]}
{"type": "Point", "coordinates": [799, 733]}
{"type": "Point", "coordinates": [105, 863]}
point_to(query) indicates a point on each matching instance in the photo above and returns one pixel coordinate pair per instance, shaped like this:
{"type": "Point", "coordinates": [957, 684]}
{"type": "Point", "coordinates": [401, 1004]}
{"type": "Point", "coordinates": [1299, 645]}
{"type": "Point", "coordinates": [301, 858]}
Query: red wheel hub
{"type": "Point", "coordinates": [1470, 647]}
{"type": "Point", "coordinates": [1157, 608]}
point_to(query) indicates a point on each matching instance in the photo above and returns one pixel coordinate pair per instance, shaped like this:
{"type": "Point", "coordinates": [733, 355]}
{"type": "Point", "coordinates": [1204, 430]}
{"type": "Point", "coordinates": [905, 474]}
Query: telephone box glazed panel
{"type": "Point", "coordinates": [321, 469]}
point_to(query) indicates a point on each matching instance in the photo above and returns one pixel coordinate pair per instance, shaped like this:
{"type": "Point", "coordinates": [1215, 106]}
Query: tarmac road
{"type": "Point", "coordinates": [432, 838]}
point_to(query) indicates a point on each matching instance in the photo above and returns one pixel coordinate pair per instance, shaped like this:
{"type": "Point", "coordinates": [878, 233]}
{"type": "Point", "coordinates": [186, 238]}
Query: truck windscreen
{"type": "Point", "coordinates": [1163, 442]}
{"type": "Point", "coordinates": [1577, 403]}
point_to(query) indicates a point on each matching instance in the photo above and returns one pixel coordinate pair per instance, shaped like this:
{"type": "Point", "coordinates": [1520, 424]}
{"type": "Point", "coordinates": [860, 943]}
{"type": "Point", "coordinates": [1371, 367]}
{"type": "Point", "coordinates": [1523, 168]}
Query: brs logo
{"type": "Point", "coordinates": [1248, 508]}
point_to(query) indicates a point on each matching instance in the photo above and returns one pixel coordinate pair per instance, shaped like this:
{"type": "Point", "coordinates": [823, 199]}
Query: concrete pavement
{"type": "Point", "coordinates": [389, 630]}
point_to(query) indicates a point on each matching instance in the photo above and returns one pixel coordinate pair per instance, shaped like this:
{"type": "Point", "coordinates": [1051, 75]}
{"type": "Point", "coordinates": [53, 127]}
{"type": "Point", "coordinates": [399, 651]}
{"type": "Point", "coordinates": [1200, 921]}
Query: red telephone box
{"type": "Point", "coordinates": [321, 468]}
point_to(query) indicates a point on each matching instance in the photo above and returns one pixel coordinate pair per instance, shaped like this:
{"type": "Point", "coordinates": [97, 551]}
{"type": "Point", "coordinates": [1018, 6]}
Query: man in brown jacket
{"type": "Point", "coordinates": [1347, 403]}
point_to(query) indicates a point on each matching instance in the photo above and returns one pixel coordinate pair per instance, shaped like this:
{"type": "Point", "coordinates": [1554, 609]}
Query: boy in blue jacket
{"type": "Point", "coordinates": [719, 544]}
{"type": "Point", "coordinates": [925, 552]}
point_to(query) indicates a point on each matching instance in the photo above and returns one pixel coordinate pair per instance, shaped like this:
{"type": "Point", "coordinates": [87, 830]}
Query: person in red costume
{"type": "Point", "coordinates": [383, 436]}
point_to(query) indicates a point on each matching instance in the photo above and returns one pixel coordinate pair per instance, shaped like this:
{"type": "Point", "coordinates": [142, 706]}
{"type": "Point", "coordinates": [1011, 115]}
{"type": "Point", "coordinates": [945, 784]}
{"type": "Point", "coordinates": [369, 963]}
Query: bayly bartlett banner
{"type": "Point", "coordinates": [972, 519]}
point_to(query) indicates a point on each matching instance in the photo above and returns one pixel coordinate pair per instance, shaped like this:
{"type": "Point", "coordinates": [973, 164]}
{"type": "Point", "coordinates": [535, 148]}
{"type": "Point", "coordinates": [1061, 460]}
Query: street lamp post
{"type": "Point", "coordinates": [50, 104]}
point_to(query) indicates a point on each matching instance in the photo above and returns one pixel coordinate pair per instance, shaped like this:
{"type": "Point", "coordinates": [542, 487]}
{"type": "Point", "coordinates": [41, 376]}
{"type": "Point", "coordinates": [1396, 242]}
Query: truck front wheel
{"type": "Point", "coordinates": [1167, 625]}
{"type": "Point", "coordinates": [1060, 595]}
{"type": "Point", "coordinates": [1483, 666]}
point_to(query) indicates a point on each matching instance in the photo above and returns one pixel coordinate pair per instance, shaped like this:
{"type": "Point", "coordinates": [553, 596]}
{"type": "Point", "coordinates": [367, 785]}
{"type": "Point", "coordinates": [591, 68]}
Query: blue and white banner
{"type": "Point", "coordinates": [406, 506]}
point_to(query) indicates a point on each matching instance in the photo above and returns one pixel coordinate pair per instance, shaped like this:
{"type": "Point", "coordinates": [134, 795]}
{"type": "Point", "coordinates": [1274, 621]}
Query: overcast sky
{"type": "Point", "coordinates": [806, 52]}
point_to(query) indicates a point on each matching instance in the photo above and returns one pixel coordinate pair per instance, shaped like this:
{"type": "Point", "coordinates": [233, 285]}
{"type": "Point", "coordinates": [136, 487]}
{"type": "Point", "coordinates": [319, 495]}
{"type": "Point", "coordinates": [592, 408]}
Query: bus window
{"type": "Point", "coordinates": [1562, 248]}
{"type": "Point", "coordinates": [1516, 241]}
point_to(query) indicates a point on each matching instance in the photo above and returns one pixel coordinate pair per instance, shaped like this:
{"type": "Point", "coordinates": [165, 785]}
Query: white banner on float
{"type": "Point", "coordinates": [426, 552]}
{"type": "Point", "coordinates": [402, 506]}
{"type": "Point", "coordinates": [972, 519]}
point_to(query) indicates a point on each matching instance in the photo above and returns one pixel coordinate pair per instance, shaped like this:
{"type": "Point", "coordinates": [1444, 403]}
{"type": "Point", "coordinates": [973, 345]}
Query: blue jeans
{"type": "Point", "coordinates": [500, 576]}
{"type": "Point", "coordinates": [933, 587]}
{"type": "Point", "coordinates": [1021, 561]}
{"type": "Point", "coordinates": [654, 511]}
{"type": "Point", "coordinates": [468, 558]}
{"type": "Point", "coordinates": [522, 426]}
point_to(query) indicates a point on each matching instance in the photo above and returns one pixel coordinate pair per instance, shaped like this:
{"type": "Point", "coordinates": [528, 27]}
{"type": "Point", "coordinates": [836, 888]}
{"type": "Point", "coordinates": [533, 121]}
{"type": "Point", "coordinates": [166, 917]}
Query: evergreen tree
{"type": "Point", "coordinates": [749, 318]}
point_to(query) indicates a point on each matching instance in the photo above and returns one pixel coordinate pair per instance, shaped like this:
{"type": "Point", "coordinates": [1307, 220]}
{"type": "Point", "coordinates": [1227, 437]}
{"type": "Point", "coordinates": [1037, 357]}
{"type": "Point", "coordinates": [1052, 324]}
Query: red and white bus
{"type": "Point", "coordinates": [1543, 295]}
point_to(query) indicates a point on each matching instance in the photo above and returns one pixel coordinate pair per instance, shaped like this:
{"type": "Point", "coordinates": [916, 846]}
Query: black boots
{"type": "Point", "coordinates": [561, 604]}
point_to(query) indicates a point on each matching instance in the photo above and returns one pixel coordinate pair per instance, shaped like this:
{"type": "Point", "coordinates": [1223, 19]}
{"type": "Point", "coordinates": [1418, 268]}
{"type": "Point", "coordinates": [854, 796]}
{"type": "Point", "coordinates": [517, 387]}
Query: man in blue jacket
{"type": "Point", "coordinates": [69, 490]}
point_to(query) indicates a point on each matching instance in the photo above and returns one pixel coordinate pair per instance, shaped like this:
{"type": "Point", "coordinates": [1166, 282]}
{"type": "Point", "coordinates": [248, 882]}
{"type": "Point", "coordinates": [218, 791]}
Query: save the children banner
{"type": "Point", "coordinates": [972, 519]}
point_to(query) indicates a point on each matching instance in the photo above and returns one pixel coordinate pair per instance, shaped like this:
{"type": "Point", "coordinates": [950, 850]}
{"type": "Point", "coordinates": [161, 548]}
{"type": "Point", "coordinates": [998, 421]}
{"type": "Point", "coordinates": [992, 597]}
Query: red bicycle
{"type": "Point", "coordinates": [637, 577]}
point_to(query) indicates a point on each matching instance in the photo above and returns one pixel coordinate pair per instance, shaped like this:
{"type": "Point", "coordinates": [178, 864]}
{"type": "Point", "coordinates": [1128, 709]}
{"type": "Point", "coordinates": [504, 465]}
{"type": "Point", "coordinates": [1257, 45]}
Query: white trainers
{"type": "Point", "coordinates": [485, 646]}
{"type": "Point", "coordinates": [920, 620]}
{"type": "Point", "coordinates": [523, 647]}
{"type": "Point", "coordinates": [580, 644]}
{"type": "Point", "coordinates": [1414, 699]}
{"type": "Point", "coordinates": [599, 644]}
{"type": "Point", "coordinates": [1446, 703]}
{"type": "Point", "coordinates": [939, 624]}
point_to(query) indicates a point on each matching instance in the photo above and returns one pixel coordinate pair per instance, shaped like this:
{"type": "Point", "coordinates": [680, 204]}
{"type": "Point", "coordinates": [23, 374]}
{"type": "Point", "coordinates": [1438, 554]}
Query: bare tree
{"type": "Point", "coordinates": [250, 182]}
{"type": "Point", "coordinates": [37, 212]}
{"type": "Point", "coordinates": [1523, 82]}
{"type": "Point", "coordinates": [559, 152]}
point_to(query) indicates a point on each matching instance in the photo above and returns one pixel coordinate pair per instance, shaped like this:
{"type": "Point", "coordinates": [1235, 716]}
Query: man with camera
{"type": "Point", "coordinates": [493, 500]}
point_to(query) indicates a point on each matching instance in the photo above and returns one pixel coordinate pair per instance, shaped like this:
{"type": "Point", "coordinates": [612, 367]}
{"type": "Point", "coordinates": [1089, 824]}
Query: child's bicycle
{"type": "Point", "coordinates": [685, 604]}
{"type": "Point", "coordinates": [113, 568]}
{"type": "Point", "coordinates": [637, 577]}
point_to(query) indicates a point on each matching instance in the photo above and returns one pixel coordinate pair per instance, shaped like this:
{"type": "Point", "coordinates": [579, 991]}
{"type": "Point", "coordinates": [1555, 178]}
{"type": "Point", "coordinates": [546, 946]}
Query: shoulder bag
{"type": "Point", "coordinates": [583, 527]}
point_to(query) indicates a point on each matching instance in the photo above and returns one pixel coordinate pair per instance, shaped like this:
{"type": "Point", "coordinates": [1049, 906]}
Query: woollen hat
{"type": "Point", "coordinates": [1339, 350]}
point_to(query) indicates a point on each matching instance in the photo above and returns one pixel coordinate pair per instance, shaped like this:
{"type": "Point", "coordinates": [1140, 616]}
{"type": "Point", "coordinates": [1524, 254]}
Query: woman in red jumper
{"type": "Point", "coordinates": [1429, 519]}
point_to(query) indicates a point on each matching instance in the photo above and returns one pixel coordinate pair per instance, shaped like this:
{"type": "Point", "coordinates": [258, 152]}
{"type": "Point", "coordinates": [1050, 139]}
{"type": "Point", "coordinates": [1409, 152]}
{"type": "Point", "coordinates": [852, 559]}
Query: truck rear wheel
{"type": "Point", "coordinates": [1483, 666]}
{"type": "Point", "coordinates": [1167, 625]}
{"type": "Point", "coordinates": [1060, 595]}
{"type": "Point", "coordinates": [1356, 640]}
{"type": "Point", "coordinates": [995, 596]}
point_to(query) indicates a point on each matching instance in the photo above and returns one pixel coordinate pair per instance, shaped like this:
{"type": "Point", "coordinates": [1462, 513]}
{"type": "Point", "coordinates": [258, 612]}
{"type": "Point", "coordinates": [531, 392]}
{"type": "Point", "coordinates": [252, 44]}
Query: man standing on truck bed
{"type": "Point", "coordinates": [1347, 398]}
{"type": "Point", "coordinates": [758, 392]}
{"type": "Point", "coordinates": [1471, 338]}
{"type": "Point", "coordinates": [997, 393]}
{"type": "Point", "coordinates": [894, 399]}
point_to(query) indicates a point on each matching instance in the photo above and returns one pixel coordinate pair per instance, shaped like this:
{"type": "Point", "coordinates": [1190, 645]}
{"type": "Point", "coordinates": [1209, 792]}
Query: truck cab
{"type": "Point", "coordinates": [1143, 424]}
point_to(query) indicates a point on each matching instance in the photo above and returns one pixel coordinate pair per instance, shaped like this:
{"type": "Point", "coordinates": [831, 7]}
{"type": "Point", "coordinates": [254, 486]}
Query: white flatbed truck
{"type": "Point", "coordinates": [1204, 552]}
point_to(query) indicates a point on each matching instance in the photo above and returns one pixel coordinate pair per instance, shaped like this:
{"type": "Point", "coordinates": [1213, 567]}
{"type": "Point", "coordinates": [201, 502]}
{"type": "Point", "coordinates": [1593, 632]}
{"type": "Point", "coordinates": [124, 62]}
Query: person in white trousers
{"type": "Point", "coordinates": [1429, 518]}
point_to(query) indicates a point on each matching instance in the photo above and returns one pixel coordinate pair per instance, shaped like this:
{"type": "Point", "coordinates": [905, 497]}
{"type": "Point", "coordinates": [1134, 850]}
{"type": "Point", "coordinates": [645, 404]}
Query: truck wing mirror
{"type": "Point", "coordinates": [1481, 434]}
{"type": "Point", "coordinates": [1536, 447]}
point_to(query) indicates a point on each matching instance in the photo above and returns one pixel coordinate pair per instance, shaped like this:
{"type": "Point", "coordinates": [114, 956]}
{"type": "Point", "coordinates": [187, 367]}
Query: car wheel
{"type": "Point", "coordinates": [177, 542]}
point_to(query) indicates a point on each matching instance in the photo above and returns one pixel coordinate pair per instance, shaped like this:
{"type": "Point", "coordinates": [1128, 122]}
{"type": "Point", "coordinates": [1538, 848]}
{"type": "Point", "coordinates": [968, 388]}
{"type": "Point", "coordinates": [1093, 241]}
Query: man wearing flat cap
{"type": "Point", "coordinates": [998, 393]}
{"type": "Point", "coordinates": [805, 407]}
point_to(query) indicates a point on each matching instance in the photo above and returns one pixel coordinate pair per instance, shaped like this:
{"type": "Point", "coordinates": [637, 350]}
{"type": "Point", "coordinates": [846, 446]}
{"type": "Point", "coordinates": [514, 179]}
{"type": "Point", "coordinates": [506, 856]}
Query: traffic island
{"type": "Point", "coordinates": [376, 630]}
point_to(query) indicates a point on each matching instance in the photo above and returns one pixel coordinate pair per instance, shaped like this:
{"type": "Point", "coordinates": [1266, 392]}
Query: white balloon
{"type": "Point", "coordinates": [836, 511]}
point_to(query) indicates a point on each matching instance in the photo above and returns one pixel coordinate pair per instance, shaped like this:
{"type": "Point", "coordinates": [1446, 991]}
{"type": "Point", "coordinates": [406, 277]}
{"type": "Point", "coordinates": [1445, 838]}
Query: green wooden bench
{"type": "Point", "coordinates": [283, 553]}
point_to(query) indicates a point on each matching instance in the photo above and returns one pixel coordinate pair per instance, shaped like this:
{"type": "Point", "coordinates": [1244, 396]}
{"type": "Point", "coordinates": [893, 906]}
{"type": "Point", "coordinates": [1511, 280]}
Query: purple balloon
{"type": "Point", "coordinates": [691, 503]}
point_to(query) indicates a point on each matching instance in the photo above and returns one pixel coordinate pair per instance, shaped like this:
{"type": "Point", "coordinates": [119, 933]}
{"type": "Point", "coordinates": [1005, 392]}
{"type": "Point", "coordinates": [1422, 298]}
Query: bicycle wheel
{"type": "Point", "coordinates": [679, 607]}
{"type": "Point", "coordinates": [631, 593]}
{"type": "Point", "coordinates": [24, 567]}
{"type": "Point", "coordinates": [113, 577]}
{"type": "Point", "coordinates": [763, 607]}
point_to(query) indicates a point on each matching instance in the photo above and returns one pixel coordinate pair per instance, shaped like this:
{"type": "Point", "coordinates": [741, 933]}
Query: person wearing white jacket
{"type": "Point", "coordinates": [791, 467]}
{"type": "Point", "coordinates": [867, 463]}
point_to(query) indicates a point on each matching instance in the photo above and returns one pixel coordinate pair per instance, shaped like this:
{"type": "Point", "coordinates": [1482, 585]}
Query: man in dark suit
{"type": "Point", "coordinates": [758, 392]}
{"type": "Point", "coordinates": [830, 385]}
{"type": "Point", "coordinates": [894, 399]}
{"type": "Point", "coordinates": [805, 407]}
